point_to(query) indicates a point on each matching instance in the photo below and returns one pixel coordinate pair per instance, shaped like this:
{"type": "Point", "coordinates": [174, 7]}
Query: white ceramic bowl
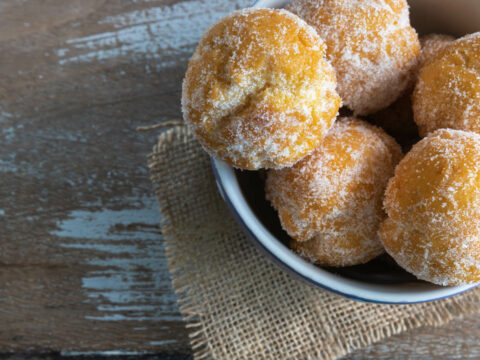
{"type": "Point", "coordinates": [379, 282]}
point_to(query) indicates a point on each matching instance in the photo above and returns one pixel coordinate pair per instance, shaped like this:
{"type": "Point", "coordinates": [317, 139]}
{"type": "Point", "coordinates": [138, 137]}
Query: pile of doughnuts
{"type": "Point", "coordinates": [264, 90]}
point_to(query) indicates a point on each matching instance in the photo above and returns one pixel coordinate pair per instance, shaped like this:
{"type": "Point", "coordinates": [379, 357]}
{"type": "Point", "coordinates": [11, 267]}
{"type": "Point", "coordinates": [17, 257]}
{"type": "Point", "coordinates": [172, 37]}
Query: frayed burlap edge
{"type": "Point", "coordinates": [400, 318]}
{"type": "Point", "coordinates": [189, 309]}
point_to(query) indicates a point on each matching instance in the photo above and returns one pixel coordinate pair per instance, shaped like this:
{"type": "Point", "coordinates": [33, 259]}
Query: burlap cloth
{"type": "Point", "coordinates": [237, 304]}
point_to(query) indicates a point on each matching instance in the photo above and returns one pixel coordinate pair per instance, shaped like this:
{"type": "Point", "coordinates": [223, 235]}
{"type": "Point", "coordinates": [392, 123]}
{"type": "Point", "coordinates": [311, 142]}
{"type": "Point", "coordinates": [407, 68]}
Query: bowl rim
{"type": "Point", "coordinates": [401, 294]}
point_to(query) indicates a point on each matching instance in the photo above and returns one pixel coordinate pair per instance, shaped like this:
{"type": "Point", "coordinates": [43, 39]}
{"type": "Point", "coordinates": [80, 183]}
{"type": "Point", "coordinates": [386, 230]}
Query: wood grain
{"type": "Point", "coordinates": [82, 266]}
{"type": "Point", "coordinates": [459, 339]}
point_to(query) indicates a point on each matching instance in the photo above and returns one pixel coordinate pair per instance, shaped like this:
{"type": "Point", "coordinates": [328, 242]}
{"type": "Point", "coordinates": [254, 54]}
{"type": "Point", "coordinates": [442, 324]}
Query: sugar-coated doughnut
{"type": "Point", "coordinates": [371, 45]}
{"type": "Point", "coordinates": [259, 92]}
{"type": "Point", "coordinates": [330, 202]}
{"type": "Point", "coordinates": [447, 93]}
{"type": "Point", "coordinates": [433, 207]}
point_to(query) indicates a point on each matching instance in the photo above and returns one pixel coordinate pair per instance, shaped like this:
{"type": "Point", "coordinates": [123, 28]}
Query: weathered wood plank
{"type": "Point", "coordinates": [82, 263]}
{"type": "Point", "coordinates": [458, 340]}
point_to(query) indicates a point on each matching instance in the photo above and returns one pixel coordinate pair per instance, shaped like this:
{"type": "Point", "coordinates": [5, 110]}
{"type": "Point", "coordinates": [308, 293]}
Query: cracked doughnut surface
{"type": "Point", "coordinates": [330, 202]}
{"type": "Point", "coordinates": [259, 92]}
{"type": "Point", "coordinates": [371, 45]}
{"type": "Point", "coordinates": [447, 93]}
{"type": "Point", "coordinates": [433, 207]}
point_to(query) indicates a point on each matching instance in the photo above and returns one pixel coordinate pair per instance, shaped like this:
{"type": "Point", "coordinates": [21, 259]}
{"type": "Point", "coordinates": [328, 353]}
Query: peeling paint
{"type": "Point", "coordinates": [158, 32]}
{"type": "Point", "coordinates": [130, 280]}
{"type": "Point", "coordinates": [5, 115]}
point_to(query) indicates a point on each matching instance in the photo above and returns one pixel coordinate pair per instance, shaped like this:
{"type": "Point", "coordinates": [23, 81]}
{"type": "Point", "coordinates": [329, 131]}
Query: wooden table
{"type": "Point", "coordinates": [81, 257]}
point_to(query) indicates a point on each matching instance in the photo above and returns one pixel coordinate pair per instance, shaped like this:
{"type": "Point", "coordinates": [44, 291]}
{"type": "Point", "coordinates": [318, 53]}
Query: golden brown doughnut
{"type": "Point", "coordinates": [371, 45]}
{"type": "Point", "coordinates": [447, 93]}
{"type": "Point", "coordinates": [330, 202]}
{"type": "Point", "coordinates": [259, 92]}
{"type": "Point", "coordinates": [433, 207]}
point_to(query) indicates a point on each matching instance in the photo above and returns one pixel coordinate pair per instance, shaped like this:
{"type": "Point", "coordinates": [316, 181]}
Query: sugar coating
{"type": "Point", "coordinates": [433, 207]}
{"type": "Point", "coordinates": [259, 92]}
{"type": "Point", "coordinates": [371, 45]}
{"type": "Point", "coordinates": [431, 45]}
{"type": "Point", "coordinates": [447, 93]}
{"type": "Point", "coordinates": [330, 202]}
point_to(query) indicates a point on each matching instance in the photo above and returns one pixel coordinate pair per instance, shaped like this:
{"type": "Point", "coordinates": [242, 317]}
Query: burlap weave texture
{"type": "Point", "coordinates": [239, 305]}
